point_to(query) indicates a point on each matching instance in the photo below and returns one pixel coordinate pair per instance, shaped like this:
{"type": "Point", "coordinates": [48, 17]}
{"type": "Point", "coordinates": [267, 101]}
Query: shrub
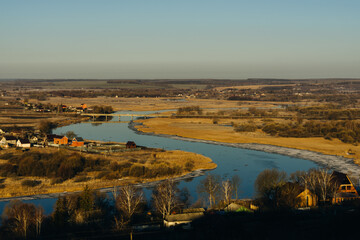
{"type": "Point", "coordinates": [30, 183]}
{"type": "Point", "coordinates": [189, 165]}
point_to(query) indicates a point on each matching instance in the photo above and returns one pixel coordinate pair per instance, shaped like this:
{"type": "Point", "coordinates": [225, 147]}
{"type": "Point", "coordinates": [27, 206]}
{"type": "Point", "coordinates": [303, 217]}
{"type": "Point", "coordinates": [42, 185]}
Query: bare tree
{"type": "Point", "coordinates": [226, 189]}
{"type": "Point", "coordinates": [38, 219]}
{"type": "Point", "coordinates": [210, 186]}
{"type": "Point", "coordinates": [21, 215]}
{"type": "Point", "coordinates": [128, 200]}
{"type": "Point", "coordinates": [235, 185]}
{"type": "Point", "coordinates": [324, 184]}
{"type": "Point", "coordinates": [165, 197]}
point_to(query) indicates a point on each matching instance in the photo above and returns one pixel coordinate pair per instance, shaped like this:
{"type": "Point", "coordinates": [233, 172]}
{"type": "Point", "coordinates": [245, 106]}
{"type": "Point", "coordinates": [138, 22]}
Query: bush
{"type": "Point", "coordinates": [245, 128]}
{"type": "Point", "coordinates": [81, 179]}
{"type": "Point", "coordinates": [30, 183]}
{"type": "Point", "coordinates": [189, 165]}
{"type": "Point", "coordinates": [56, 181]}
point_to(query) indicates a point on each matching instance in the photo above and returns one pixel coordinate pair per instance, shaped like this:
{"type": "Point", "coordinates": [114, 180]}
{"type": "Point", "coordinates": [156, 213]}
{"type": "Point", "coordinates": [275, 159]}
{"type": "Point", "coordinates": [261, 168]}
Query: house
{"type": "Point", "coordinates": [184, 219]}
{"type": "Point", "coordinates": [61, 140]}
{"type": "Point", "coordinates": [23, 143]}
{"type": "Point", "coordinates": [307, 198]}
{"type": "Point", "coordinates": [34, 139]}
{"type": "Point", "coordinates": [130, 144]}
{"type": "Point", "coordinates": [8, 140]}
{"type": "Point", "coordinates": [345, 187]}
{"type": "Point", "coordinates": [83, 106]}
{"type": "Point", "coordinates": [77, 142]}
{"type": "Point", "coordinates": [50, 138]}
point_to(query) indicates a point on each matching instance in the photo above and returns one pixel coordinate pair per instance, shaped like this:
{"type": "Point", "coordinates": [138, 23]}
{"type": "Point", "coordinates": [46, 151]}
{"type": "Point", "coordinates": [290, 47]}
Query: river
{"type": "Point", "coordinates": [230, 160]}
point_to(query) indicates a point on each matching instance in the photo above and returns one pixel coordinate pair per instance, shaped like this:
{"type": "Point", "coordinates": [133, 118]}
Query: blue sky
{"type": "Point", "coordinates": [179, 39]}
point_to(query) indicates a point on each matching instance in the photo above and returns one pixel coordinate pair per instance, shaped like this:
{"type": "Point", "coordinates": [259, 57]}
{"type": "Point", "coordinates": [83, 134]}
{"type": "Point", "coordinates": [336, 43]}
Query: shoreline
{"type": "Point", "coordinates": [333, 162]}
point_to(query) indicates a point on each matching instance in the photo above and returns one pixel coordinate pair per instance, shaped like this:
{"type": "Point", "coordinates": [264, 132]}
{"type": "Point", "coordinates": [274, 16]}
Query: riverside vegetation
{"type": "Point", "coordinates": [50, 170]}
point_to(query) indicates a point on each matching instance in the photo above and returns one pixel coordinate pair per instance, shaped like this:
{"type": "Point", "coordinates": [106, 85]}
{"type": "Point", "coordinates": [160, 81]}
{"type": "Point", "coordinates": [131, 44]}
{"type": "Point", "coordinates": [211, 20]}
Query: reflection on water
{"type": "Point", "coordinates": [245, 163]}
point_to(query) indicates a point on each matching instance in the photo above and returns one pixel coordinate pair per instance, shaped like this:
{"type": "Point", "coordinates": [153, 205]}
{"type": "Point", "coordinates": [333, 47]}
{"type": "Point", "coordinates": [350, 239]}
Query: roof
{"type": "Point", "coordinates": [52, 136]}
{"type": "Point", "coordinates": [79, 139]}
{"type": "Point", "coordinates": [184, 217]}
{"type": "Point", "coordinates": [9, 138]}
{"type": "Point", "coordinates": [340, 178]}
{"type": "Point", "coordinates": [24, 141]}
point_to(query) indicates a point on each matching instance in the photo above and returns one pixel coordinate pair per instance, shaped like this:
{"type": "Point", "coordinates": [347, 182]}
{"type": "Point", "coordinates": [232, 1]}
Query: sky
{"type": "Point", "coordinates": [226, 39]}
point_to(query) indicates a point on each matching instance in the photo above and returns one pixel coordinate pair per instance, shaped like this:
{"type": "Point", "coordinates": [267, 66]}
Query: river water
{"type": "Point", "coordinates": [245, 163]}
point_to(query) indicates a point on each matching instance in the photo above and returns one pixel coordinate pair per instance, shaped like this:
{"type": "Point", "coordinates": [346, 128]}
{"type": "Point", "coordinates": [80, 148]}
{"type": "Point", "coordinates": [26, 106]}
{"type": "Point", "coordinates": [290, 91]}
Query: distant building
{"type": "Point", "coordinates": [61, 140]}
{"type": "Point", "coordinates": [77, 142]}
{"type": "Point", "coordinates": [8, 140]}
{"type": "Point", "coordinates": [23, 143]}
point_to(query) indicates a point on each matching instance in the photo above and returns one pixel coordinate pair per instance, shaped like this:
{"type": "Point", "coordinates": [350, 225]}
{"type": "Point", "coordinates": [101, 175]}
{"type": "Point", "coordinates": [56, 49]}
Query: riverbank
{"type": "Point", "coordinates": [334, 162]}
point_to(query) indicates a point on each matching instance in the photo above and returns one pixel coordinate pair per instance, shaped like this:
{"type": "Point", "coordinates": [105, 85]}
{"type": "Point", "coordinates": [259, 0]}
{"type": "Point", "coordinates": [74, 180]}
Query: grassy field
{"type": "Point", "coordinates": [12, 186]}
{"type": "Point", "coordinates": [206, 130]}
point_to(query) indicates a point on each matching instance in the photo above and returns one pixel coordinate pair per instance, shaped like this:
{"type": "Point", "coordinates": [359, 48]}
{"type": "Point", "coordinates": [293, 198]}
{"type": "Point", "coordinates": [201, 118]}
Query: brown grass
{"type": "Point", "coordinates": [14, 188]}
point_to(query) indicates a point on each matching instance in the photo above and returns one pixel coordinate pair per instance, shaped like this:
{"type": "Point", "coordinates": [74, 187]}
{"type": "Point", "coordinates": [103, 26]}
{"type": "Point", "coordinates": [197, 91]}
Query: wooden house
{"type": "Point", "coordinates": [130, 144]}
{"type": "Point", "coordinates": [77, 142]}
{"type": "Point", "coordinates": [345, 187]}
{"type": "Point", "coordinates": [307, 199]}
{"type": "Point", "coordinates": [23, 143]}
{"type": "Point", "coordinates": [61, 140]}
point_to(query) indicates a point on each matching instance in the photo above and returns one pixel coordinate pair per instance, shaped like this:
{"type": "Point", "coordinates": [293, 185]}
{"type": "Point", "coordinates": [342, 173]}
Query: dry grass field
{"type": "Point", "coordinates": [156, 104]}
{"type": "Point", "coordinates": [11, 186]}
{"type": "Point", "coordinates": [204, 129]}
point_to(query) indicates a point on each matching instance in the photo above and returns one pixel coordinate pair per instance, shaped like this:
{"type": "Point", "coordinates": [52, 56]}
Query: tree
{"type": "Point", "coordinates": [226, 189]}
{"type": "Point", "coordinates": [128, 200]}
{"type": "Point", "coordinates": [46, 126]}
{"type": "Point", "coordinates": [38, 219]}
{"type": "Point", "coordinates": [235, 185]}
{"type": "Point", "coordinates": [210, 186]}
{"type": "Point", "coordinates": [70, 134]}
{"type": "Point", "coordinates": [267, 185]}
{"type": "Point", "coordinates": [165, 197]}
{"type": "Point", "coordinates": [19, 216]}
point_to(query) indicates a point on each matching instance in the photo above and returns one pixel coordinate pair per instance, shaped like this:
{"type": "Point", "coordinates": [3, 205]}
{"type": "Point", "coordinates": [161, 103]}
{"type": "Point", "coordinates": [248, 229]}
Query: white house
{"type": "Point", "coordinates": [8, 139]}
{"type": "Point", "coordinates": [23, 143]}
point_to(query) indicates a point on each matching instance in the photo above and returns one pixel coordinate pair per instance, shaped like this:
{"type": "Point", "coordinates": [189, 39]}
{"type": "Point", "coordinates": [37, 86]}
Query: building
{"type": "Point", "coordinates": [8, 140]}
{"type": "Point", "coordinates": [61, 140]}
{"type": "Point", "coordinates": [23, 143]}
{"type": "Point", "coordinates": [77, 142]}
{"type": "Point", "coordinates": [307, 199]}
{"type": "Point", "coordinates": [345, 187]}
